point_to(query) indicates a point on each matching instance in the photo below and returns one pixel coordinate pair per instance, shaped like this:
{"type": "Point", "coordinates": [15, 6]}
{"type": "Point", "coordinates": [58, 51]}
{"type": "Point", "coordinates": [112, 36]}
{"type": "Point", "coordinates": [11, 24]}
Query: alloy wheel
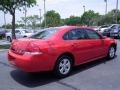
{"type": "Point", "coordinates": [64, 66]}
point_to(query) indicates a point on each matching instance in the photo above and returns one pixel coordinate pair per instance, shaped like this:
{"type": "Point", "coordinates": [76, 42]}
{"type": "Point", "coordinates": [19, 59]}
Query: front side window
{"type": "Point", "coordinates": [75, 34]}
{"type": "Point", "coordinates": [92, 34]}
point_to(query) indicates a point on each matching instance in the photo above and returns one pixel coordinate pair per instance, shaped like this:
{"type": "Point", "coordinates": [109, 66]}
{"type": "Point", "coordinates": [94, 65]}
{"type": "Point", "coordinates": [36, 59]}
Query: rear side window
{"type": "Point", "coordinates": [75, 34]}
{"type": "Point", "coordinates": [92, 34]}
{"type": "Point", "coordinates": [17, 31]}
{"type": "Point", "coordinates": [45, 34]}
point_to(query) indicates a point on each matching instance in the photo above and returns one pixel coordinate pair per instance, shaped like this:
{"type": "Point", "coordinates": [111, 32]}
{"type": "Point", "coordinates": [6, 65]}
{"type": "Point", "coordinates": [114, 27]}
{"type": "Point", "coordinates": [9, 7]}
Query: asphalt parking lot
{"type": "Point", "coordinates": [99, 75]}
{"type": "Point", "coordinates": [4, 42]}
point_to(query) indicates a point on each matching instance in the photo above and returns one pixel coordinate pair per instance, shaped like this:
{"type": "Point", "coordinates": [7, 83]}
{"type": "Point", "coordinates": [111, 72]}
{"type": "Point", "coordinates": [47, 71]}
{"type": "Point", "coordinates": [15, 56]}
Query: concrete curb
{"type": "Point", "coordinates": [2, 50]}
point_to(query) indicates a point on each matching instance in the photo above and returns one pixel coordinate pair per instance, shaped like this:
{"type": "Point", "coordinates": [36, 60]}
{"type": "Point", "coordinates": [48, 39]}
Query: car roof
{"type": "Point", "coordinates": [20, 29]}
{"type": "Point", "coordinates": [62, 27]}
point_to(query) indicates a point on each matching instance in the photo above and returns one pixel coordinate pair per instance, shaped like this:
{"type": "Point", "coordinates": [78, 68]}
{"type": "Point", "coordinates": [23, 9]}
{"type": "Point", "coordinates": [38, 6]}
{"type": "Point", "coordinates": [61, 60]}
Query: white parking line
{"type": "Point", "coordinates": [1, 50]}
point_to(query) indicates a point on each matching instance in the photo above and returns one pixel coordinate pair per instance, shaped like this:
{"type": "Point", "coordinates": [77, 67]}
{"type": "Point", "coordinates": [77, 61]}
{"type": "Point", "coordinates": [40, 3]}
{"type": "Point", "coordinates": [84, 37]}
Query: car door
{"type": "Point", "coordinates": [78, 43]}
{"type": "Point", "coordinates": [97, 44]}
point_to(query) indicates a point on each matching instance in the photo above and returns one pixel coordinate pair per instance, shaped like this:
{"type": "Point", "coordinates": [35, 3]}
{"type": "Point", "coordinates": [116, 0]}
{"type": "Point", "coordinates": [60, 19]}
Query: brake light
{"type": "Point", "coordinates": [33, 49]}
{"type": "Point", "coordinates": [33, 53]}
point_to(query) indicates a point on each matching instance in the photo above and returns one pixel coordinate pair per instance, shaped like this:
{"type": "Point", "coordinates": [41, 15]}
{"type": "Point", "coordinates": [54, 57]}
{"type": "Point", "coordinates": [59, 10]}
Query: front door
{"type": "Point", "coordinates": [97, 44]}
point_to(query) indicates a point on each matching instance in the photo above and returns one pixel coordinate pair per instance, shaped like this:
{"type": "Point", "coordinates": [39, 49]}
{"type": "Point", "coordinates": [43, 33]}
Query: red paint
{"type": "Point", "coordinates": [50, 49]}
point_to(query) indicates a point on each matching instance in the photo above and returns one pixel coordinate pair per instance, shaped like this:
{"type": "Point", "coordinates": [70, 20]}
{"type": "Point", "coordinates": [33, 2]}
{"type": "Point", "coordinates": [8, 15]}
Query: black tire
{"type": "Point", "coordinates": [57, 71]}
{"type": "Point", "coordinates": [9, 39]}
{"type": "Point", "coordinates": [118, 35]}
{"type": "Point", "coordinates": [24, 36]}
{"type": "Point", "coordinates": [111, 52]}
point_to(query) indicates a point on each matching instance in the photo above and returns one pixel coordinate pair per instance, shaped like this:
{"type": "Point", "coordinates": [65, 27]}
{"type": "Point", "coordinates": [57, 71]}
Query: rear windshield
{"type": "Point", "coordinates": [45, 33]}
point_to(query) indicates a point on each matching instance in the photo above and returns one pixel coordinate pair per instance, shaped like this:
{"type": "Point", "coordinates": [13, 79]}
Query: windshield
{"type": "Point", "coordinates": [45, 33]}
{"type": "Point", "coordinates": [104, 26]}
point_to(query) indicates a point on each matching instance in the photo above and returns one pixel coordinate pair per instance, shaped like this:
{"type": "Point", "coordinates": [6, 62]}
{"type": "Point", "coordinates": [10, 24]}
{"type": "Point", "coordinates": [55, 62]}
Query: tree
{"type": "Point", "coordinates": [89, 18]}
{"type": "Point", "coordinates": [9, 26]}
{"type": "Point", "coordinates": [52, 19]}
{"type": "Point", "coordinates": [31, 21]}
{"type": "Point", "coordinates": [72, 20]}
{"type": "Point", "coordinates": [11, 6]}
{"type": "Point", "coordinates": [110, 17]}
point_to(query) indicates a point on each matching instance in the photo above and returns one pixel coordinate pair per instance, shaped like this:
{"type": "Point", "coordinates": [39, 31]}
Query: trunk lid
{"type": "Point", "coordinates": [21, 45]}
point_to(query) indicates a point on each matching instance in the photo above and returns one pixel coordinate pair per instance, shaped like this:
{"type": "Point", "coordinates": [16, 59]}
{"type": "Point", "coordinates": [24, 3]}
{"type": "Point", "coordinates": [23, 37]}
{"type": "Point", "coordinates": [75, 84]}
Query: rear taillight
{"type": "Point", "coordinates": [33, 53]}
{"type": "Point", "coordinates": [33, 49]}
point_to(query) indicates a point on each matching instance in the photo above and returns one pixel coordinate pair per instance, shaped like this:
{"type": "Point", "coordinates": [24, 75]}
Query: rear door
{"type": "Point", "coordinates": [78, 43]}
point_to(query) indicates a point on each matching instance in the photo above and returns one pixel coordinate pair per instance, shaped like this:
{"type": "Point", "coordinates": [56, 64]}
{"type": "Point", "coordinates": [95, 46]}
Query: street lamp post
{"type": "Point", "coordinates": [5, 20]}
{"type": "Point", "coordinates": [116, 11]}
{"type": "Point", "coordinates": [106, 6]}
{"type": "Point", "coordinates": [44, 14]}
{"type": "Point", "coordinates": [84, 8]}
{"type": "Point", "coordinates": [40, 17]}
{"type": "Point", "coordinates": [25, 16]}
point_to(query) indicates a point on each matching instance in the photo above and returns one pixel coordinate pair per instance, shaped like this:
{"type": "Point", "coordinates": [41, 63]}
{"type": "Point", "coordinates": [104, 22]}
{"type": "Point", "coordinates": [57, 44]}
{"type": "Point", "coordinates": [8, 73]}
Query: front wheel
{"type": "Point", "coordinates": [63, 66]}
{"type": "Point", "coordinates": [111, 52]}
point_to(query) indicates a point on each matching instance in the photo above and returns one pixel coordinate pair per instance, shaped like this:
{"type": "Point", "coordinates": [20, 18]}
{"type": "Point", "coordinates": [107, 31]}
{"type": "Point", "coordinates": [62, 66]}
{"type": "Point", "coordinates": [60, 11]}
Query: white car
{"type": "Point", "coordinates": [20, 33]}
{"type": "Point", "coordinates": [105, 27]}
{"type": "Point", "coordinates": [102, 28]}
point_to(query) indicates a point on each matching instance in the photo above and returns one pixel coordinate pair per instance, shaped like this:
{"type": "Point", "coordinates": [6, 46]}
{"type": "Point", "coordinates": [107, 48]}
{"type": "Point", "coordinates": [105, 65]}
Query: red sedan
{"type": "Point", "coordinates": [58, 49]}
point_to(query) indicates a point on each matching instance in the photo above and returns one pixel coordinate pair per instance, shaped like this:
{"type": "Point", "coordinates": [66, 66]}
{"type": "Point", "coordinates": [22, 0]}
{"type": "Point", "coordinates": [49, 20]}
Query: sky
{"type": "Point", "coordinates": [65, 8]}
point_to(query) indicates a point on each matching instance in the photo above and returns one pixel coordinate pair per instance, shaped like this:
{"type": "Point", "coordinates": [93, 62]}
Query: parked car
{"type": "Point", "coordinates": [102, 28]}
{"type": "Point", "coordinates": [20, 33]}
{"type": "Point", "coordinates": [59, 49]}
{"type": "Point", "coordinates": [112, 31]}
{"type": "Point", "coordinates": [2, 32]}
{"type": "Point", "coordinates": [107, 32]}
{"type": "Point", "coordinates": [115, 31]}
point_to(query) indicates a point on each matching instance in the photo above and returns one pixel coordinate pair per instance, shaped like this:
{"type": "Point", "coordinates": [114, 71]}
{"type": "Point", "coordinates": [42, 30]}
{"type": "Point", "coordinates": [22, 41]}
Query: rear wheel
{"type": "Point", "coordinates": [111, 52]}
{"type": "Point", "coordinates": [9, 39]}
{"type": "Point", "coordinates": [119, 35]}
{"type": "Point", "coordinates": [63, 66]}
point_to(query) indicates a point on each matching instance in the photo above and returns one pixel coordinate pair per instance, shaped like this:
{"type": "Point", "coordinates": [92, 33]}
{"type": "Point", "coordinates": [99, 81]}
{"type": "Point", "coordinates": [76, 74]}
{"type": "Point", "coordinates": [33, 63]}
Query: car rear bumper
{"type": "Point", "coordinates": [30, 63]}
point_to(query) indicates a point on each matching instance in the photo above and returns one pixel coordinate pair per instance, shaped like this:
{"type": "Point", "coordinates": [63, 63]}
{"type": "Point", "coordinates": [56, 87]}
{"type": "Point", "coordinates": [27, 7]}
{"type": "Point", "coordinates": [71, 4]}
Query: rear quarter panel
{"type": "Point", "coordinates": [109, 42]}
